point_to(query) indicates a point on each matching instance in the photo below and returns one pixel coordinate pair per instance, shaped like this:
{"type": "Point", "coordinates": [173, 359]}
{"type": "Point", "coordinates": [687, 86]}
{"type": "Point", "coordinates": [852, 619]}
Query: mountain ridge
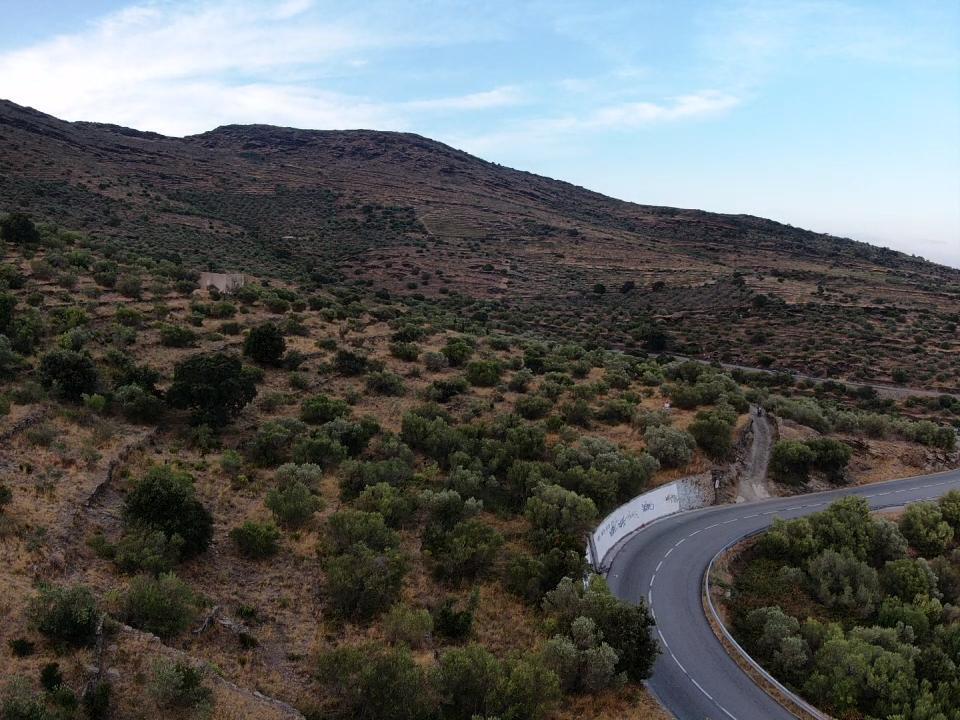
{"type": "Point", "coordinates": [413, 216]}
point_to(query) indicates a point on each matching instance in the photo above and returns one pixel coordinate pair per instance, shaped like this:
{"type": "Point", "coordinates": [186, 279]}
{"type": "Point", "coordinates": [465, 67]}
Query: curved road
{"type": "Point", "coordinates": [664, 563]}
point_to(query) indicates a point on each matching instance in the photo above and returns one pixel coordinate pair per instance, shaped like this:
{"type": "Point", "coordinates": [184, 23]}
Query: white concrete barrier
{"type": "Point", "coordinates": [642, 510]}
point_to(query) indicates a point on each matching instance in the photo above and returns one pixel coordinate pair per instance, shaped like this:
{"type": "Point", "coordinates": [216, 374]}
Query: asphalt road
{"type": "Point", "coordinates": [664, 563]}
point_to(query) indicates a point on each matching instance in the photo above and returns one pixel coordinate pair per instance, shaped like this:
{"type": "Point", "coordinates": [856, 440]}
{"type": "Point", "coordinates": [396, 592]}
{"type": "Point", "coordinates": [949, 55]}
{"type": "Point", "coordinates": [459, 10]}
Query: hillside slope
{"type": "Point", "coordinates": [412, 215]}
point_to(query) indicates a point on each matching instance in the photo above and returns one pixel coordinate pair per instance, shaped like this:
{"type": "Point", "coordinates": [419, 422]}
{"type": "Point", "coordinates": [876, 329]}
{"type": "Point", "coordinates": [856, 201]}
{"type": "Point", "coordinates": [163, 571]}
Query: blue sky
{"type": "Point", "coordinates": [836, 115]}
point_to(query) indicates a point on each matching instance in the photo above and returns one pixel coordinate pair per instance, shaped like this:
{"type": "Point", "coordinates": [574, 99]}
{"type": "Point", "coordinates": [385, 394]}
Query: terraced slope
{"type": "Point", "coordinates": [411, 215]}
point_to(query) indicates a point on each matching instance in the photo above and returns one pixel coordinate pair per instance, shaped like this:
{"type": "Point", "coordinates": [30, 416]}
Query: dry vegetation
{"type": "Point", "coordinates": [415, 217]}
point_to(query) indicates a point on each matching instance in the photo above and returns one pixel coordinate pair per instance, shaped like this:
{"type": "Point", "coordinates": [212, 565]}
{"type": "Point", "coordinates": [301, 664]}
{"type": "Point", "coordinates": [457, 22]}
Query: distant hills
{"type": "Point", "coordinates": [413, 216]}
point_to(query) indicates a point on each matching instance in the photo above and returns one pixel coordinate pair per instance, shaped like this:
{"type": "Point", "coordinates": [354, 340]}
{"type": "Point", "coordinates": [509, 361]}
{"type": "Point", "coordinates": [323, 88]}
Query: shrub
{"type": "Point", "coordinates": [349, 527]}
{"type": "Point", "coordinates": [129, 285]}
{"type": "Point", "coordinates": [385, 383]}
{"type": "Point", "coordinates": [830, 456]}
{"type": "Point", "coordinates": [165, 499]}
{"type": "Point", "coordinates": [406, 351]}
{"type": "Point", "coordinates": [292, 504]}
{"type": "Point", "coordinates": [672, 448]}
{"type": "Point", "coordinates": [177, 685]}
{"type": "Point", "coordinates": [582, 661]}
{"type": "Point", "coordinates": [256, 540]}
{"type": "Point", "coordinates": [627, 627]}
{"type": "Point", "coordinates": [265, 344]}
{"type": "Point", "coordinates": [319, 450]}
{"type": "Point", "coordinates": [18, 229]}
{"type": "Point", "coordinates": [164, 605]}
{"type": "Point", "coordinates": [845, 582]}
{"type": "Point", "coordinates": [533, 407]}
{"type": "Point", "coordinates": [137, 405]}
{"type": "Point", "coordinates": [923, 526]}
{"type": "Point", "coordinates": [147, 549]}
{"type": "Point", "coordinates": [469, 681]}
{"type": "Point", "coordinates": [520, 382]}
{"type": "Point", "coordinates": [466, 551]}
{"type": "Point", "coordinates": [362, 582]}
{"type": "Point", "coordinates": [176, 336]}
{"type": "Point", "coordinates": [274, 441]}
{"type": "Point", "coordinates": [483, 373]}
{"type": "Point", "coordinates": [444, 390]}
{"type": "Point", "coordinates": [577, 412]}
{"type": "Point", "coordinates": [396, 507]}
{"type": "Point", "coordinates": [790, 461]}
{"type": "Point", "coordinates": [435, 362]}
{"type": "Point", "coordinates": [67, 614]}
{"type": "Point", "coordinates": [950, 510]}
{"type": "Point", "coordinates": [453, 622]}
{"type": "Point", "coordinates": [713, 433]}
{"type": "Point", "coordinates": [909, 578]}
{"type": "Point", "coordinates": [409, 626]}
{"type": "Point", "coordinates": [321, 409]}
{"type": "Point", "coordinates": [214, 387]}
{"type": "Point", "coordinates": [350, 363]}
{"type": "Point", "coordinates": [559, 517]}
{"type": "Point", "coordinates": [457, 351]}
{"type": "Point", "coordinates": [372, 683]}
{"type": "Point", "coordinates": [11, 362]}
{"type": "Point", "coordinates": [68, 374]}
{"type": "Point", "coordinates": [19, 702]}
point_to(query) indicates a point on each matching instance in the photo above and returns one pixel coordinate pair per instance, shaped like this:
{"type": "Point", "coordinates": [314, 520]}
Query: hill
{"type": "Point", "coordinates": [412, 216]}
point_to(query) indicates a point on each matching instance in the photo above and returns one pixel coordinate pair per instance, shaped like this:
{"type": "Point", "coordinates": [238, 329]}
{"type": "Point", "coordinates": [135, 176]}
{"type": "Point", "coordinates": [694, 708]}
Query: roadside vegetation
{"type": "Point", "coordinates": [857, 612]}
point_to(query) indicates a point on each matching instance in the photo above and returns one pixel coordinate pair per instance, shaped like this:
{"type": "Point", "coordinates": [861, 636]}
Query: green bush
{"type": "Point", "coordinates": [179, 686]}
{"type": "Point", "coordinates": [923, 526]}
{"type": "Point", "coordinates": [349, 527]}
{"type": "Point", "coordinates": [18, 229]}
{"type": "Point", "coordinates": [321, 409]}
{"type": "Point", "coordinates": [373, 683]}
{"type": "Point", "coordinates": [67, 614]}
{"type": "Point", "coordinates": [672, 448]}
{"type": "Point", "coordinates": [465, 551]}
{"type": "Point", "coordinates": [559, 517]}
{"type": "Point", "coordinates": [350, 363]}
{"type": "Point", "coordinates": [713, 433]}
{"type": "Point", "coordinates": [215, 387]}
{"type": "Point", "coordinates": [147, 549]}
{"type": "Point", "coordinates": [265, 344]}
{"type": "Point", "coordinates": [790, 461]}
{"type": "Point", "coordinates": [68, 374]}
{"type": "Point", "coordinates": [408, 626]}
{"type": "Point", "coordinates": [457, 351]}
{"type": "Point", "coordinates": [163, 605]}
{"type": "Point", "coordinates": [256, 540]}
{"type": "Point", "coordinates": [362, 582]}
{"type": "Point", "coordinates": [483, 373]}
{"type": "Point", "coordinates": [396, 506]}
{"type": "Point", "coordinates": [533, 407]}
{"type": "Point", "coordinates": [406, 351]}
{"type": "Point", "coordinates": [138, 405]}
{"type": "Point", "coordinates": [292, 503]}
{"type": "Point", "coordinates": [165, 499]}
{"type": "Point", "coordinates": [177, 336]}
{"type": "Point", "coordinates": [385, 383]}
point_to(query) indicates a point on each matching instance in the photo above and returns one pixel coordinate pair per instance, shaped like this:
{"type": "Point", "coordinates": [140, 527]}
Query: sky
{"type": "Point", "coordinates": [840, 116]}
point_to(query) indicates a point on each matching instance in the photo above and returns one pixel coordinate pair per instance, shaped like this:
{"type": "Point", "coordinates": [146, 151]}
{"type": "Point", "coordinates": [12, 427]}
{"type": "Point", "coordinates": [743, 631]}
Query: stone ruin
{"type": "Point", "coordinates": [224, 282]}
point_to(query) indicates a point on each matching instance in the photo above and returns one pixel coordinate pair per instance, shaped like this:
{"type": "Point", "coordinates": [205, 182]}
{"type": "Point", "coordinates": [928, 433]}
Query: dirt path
{"type": "Point", "coordinates": [753, 480]}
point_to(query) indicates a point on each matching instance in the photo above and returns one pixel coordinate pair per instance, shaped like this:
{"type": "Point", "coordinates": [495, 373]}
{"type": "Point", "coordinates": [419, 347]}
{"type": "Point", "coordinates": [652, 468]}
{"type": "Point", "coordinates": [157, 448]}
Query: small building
{"type": "Point", "coordinates": [224, 282]}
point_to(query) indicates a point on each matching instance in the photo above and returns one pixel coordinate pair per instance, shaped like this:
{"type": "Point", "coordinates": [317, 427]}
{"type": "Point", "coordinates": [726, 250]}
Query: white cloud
{"type": "Point", "coordinates": [186, 67]}
{"type": "Point", "coordinates": [498, 97]}
{"type": "Point", "coordinates": [636, 114]}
